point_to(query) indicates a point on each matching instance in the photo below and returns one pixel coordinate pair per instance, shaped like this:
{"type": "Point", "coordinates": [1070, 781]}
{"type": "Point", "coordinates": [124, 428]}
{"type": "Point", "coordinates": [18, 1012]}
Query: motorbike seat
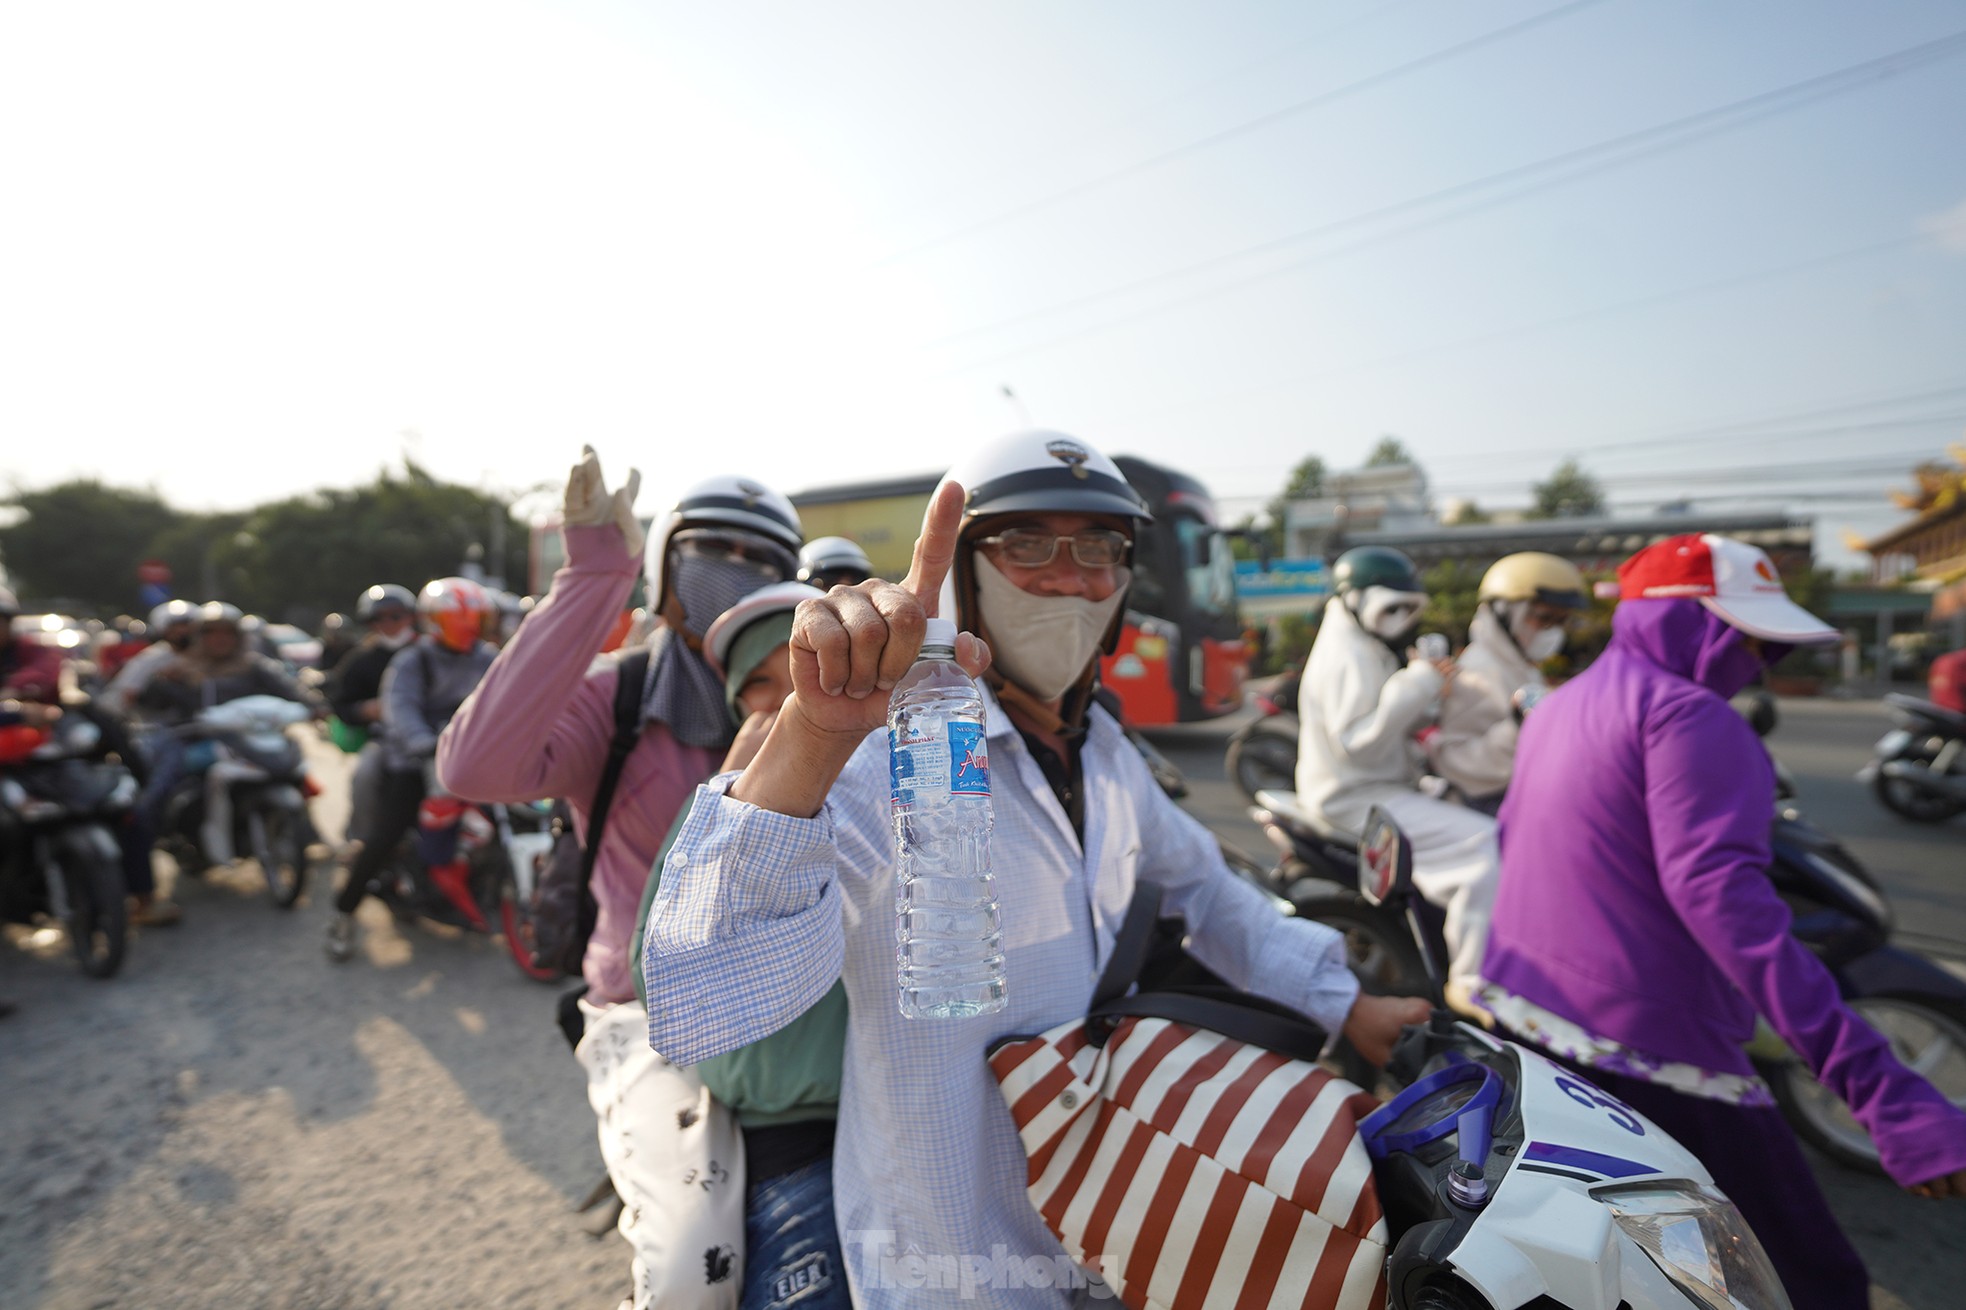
{"type": "Point", "coordinates": [1952, 720]}
{"type": "Point", "coordinates": [1289, 812]}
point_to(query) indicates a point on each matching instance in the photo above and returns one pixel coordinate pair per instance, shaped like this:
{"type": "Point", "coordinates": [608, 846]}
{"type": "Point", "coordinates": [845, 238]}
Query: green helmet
{"type": "Point", "coordinates": [1374, 566]}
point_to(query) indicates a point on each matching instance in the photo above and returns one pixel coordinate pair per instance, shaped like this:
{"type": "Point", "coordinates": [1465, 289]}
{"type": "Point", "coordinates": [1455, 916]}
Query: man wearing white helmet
{"type": "Point", "coordinates": [169, 627]}
{"type": "Point", "coordinates": [828, 562]}
{"type": "Point", "coordinates": [783, 876]}
{"type": "Point", "coordinates": [539, 726]}
{"type": "Point", "coordinates": [1525, 602]}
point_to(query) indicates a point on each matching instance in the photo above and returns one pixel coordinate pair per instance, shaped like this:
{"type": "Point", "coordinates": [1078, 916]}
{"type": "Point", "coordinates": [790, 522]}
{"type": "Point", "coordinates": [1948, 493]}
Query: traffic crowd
{"type": "Point", "coordinates": [775, 1129]}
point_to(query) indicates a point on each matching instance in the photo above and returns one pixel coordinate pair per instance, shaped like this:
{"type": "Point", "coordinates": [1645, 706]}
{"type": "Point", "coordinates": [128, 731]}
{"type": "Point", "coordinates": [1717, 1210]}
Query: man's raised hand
{"type": "Point", "coordinates": [852, 646]}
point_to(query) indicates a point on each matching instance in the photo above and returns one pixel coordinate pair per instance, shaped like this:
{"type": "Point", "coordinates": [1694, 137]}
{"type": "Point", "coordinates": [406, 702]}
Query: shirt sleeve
{"type": "Point", "coordinates": [1709, 794]}
{"type": "Point", "coordinates": [746, 932]}
{"type": "Point", "coordinates": [1368, 722]}
{"type": "Point", "coordinates": [1235, 928]}
{"type": "Point", "coordinates": [403, 690]}
{"type": "Point", "coordinates": [524, 733]}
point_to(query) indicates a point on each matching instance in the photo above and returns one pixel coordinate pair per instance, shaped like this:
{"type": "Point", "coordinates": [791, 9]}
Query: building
{"type": "Point", "coordinates": [1389, 497]}
{"type": "Point", "coordinates": [1926, 554]}
{"type": "Point", "coordinates": [1597, 545]}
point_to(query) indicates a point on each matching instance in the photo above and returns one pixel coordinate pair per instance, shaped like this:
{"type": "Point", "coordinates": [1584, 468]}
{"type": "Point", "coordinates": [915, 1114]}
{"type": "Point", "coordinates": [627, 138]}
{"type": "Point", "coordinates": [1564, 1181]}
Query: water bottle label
{"type": "Point", "coordinates": [969, 760]}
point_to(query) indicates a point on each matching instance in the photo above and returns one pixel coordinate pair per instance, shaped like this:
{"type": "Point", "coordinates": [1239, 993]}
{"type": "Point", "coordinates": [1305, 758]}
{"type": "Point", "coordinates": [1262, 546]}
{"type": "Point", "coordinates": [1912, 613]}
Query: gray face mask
{"type": "Point", "coordinates": [1043, 643]}
{"type": "Point", "coordinates": [708, 587]}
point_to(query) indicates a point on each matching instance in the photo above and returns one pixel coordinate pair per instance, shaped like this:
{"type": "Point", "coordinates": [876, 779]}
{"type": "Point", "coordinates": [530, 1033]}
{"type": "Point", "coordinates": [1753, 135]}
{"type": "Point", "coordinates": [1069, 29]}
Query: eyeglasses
{"type": "Point", "coordinates": [1094, 548]}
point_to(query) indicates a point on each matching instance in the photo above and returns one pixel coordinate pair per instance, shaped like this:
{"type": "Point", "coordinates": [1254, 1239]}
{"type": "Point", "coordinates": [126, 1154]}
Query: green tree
{"type": "Point", "coordinates": [1452, 586]}
{"type": "Point", "coordinates": [306, 555]}
{"type": "Point", "coordinates": [81, 541]}
{"type": "Point", "coordinates": [1390, 450]}
{"type": "Point", "coordinates": [1568, 493]}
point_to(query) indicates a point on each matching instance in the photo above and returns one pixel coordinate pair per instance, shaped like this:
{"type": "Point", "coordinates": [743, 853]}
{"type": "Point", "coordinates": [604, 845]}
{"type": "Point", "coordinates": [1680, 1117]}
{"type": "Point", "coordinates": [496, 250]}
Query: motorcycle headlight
{"type": "Point", "coordinates": [1699, 1240]}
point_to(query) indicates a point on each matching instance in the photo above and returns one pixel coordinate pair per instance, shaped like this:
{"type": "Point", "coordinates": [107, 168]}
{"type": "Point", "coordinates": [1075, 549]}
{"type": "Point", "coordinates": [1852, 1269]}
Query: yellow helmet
{"type": "Point", "coordinates": [1532, 575]}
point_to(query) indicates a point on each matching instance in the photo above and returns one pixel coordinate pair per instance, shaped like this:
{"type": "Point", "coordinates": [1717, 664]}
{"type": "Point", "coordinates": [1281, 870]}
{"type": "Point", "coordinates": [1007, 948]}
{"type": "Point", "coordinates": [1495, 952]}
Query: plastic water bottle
{"type": "Point", "coordinates": [948, 937]}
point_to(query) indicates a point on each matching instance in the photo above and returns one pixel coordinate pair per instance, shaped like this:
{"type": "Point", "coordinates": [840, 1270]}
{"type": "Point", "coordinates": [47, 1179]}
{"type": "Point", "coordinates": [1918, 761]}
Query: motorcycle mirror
{"type": "Point", "coordinates": [1761, 714]}
{"type": "Point", "coordinates": [1385, 860]}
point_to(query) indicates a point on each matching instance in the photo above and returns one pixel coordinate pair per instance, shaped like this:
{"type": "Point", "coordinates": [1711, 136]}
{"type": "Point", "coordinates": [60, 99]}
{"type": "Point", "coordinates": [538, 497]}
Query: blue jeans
{"type": "Point", "coordinates": [791, 1244]}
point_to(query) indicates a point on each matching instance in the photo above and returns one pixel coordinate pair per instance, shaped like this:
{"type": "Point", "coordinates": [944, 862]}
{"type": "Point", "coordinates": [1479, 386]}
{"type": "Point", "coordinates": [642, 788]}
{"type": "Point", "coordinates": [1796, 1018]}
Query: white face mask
{"type": "Point", "coordinates": [1042, 643]}
{"type": "Point", "coordinates": [1542, 644]}
{"type": "Point", "coordinates": [1391, 615]}
{"type": "Point", "coordinates": [398, 639]}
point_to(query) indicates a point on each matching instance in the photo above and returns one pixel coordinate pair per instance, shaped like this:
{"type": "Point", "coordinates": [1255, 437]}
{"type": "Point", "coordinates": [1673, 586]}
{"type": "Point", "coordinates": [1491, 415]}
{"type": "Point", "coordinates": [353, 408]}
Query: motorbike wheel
{"type": "Point", "coordinates": [1927, 1035]}
{"type": "Point", "coordinates": [515, 924]}
{"type": "Point", "coordinates": [1378, 946]}
{"type": "Point", "coordinates": [1263, 757]}
{"type": "Point", "coordinates": [281, 850]}
{"type": "Point", "coordinates": [98, 919]}
{"type": "Point", "coordinates": [1908, 800]}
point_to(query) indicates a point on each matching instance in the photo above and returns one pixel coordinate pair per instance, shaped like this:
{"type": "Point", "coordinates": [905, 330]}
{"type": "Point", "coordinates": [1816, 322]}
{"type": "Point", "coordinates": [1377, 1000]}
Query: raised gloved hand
{"type": "Point", "coordinates": [589, 503]}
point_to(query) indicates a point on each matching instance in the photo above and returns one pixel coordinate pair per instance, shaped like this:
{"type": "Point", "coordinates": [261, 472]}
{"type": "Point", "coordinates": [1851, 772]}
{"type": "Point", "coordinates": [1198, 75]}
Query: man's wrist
{"type": "Point", "coordinates": [797, 765]}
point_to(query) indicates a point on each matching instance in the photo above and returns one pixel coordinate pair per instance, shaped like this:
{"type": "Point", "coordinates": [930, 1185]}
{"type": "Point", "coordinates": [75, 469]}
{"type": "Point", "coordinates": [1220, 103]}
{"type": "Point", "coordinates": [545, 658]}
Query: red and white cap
{"type": "Point", "coordinates": [1733, 579]}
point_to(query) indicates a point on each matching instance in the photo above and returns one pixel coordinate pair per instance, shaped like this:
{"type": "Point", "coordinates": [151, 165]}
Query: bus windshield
{"type": "Point", "coordinates": [1209, 564]}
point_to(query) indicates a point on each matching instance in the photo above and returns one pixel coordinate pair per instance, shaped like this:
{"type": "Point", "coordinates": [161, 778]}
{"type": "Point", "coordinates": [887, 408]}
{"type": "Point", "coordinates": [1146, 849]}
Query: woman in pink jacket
{"type": "Point", "coordinates": [539, 726]}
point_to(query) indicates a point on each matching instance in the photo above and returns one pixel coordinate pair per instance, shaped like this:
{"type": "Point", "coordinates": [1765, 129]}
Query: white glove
{"type": "Point", "coordinates": [588, 502]}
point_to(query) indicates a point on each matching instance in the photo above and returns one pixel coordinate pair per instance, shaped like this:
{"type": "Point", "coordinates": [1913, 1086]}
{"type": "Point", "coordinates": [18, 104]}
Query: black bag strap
{"type": "Point", "coordinates": [632, 672]}
{"type": "Point", "coordinates": [1231, 1012]}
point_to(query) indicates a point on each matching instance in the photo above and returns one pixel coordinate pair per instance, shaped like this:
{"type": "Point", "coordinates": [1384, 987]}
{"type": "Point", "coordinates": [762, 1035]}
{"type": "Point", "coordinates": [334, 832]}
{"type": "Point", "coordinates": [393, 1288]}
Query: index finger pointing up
{"type": "Point", "coordinates": [935, 549]}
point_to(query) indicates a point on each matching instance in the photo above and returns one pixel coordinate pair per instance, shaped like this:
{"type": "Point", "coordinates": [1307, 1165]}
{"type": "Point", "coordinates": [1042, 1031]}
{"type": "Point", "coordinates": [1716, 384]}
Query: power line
{"type": "Point", "coordinates": [1229, 133]}
{"type": "Point", "coordinates": [1582, 162]}
{"type": "Point", "coordinates": [1563, 320]}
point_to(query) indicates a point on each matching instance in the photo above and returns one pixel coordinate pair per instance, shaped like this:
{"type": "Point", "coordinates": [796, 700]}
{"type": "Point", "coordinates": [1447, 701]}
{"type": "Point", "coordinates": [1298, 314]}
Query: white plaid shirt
{"type": "Point", "coordinates": [759, 912]}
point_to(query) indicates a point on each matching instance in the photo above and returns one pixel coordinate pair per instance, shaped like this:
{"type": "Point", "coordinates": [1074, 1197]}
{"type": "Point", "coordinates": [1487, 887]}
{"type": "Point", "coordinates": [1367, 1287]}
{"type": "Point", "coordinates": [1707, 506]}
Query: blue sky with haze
{"type": "Point", "coordinates": [254, 248]}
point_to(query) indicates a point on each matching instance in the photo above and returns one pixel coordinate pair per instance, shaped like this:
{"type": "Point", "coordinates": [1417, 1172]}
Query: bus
{"type": "Point", "coordinates": [1180, 656]}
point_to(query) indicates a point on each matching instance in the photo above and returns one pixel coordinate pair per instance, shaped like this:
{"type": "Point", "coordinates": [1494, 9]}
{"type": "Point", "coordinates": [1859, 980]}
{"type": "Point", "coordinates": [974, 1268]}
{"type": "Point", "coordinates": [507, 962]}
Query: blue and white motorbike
{"type": "Point", "coordinates": [1511, 1183]}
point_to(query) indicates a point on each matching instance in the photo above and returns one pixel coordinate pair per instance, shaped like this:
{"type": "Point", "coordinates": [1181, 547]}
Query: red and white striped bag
{"type": "Point", "coordinates": [1190, 1169]}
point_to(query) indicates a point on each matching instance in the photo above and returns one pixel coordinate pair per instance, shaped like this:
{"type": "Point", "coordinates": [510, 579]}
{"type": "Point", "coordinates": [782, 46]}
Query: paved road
{"type": "Point", "coordinates": [235, 1122]}
{"type": "Point", "coordinates": [1916, 1249]}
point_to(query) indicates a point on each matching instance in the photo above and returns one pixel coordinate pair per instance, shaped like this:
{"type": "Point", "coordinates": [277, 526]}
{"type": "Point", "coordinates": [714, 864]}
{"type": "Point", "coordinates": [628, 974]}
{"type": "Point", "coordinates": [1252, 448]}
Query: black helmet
{"type": "Point", "coordinates": [1374, 566]}
{"type": "Point", "coordinates": [384, 596]}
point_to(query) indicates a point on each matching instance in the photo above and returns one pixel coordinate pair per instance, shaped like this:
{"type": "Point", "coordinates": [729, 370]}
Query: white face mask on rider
{"type": "Point", "coordinates": [1392, 616]}
{"type": "Point", "coordinates": [398, 639]}
{"type": "Point", "coordinates": [1042, 643]}
{"type": "Point", "coordinates": [1542, 644]}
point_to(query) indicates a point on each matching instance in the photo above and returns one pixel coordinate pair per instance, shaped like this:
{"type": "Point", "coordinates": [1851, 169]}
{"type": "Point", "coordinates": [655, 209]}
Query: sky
{"type": "Point", "coordinates": [1708, 248]}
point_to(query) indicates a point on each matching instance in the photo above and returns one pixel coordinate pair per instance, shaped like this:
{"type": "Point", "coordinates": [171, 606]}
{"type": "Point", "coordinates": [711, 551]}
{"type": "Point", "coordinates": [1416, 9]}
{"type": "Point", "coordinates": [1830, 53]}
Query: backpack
{"type": "Point", "coordinates": [563, 905]}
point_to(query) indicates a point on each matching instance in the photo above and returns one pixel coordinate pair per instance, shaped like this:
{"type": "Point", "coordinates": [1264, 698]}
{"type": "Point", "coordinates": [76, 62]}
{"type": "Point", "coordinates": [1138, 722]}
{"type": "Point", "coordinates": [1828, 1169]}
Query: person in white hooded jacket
{"type": "Point", "coordinates": [1363, 701]}
{"type": "Point", "coordinates": [1525, 602]}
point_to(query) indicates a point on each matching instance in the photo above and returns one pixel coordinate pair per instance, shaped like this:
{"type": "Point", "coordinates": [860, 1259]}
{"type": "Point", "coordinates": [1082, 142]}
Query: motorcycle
{"type": "Point", "coordinates": [505, 848]}
{"type": "Point", "coordinates": [1918, 770]}
{"type": "Point", "coordinates": [246, 789]}
{"type": "Point", "coordinates": [1262, 755]}
{"type": "Point", "coordinates": [1840, 914]}
{"type": "Point", "coordinates": [60, 804]}
{"type": "Point", "coordinates": [1509, 1182]}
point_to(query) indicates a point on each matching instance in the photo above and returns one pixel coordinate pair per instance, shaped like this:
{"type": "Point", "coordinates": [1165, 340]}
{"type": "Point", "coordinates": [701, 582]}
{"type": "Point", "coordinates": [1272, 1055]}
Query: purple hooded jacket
{"type": "Point", "coordinates": [1634, 899]}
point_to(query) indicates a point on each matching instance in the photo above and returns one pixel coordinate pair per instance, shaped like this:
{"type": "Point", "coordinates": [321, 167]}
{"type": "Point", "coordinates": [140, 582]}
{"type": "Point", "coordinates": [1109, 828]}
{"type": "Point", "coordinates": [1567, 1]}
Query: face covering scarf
{"type": "Point", "coordinates": [682, 691]}
{"type": "Point", "coordinates": [1043, 643]}
{"type": "Point", "coordinates": [1391, 616]}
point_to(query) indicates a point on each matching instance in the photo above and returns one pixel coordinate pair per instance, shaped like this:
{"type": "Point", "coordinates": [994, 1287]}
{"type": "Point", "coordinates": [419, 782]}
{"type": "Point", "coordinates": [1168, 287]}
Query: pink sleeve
{"type": "Point", "coordinates": [532, 729]}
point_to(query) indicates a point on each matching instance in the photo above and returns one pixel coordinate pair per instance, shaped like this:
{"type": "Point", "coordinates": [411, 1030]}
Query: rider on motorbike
{"type": "Point", "coordinates": [827, 562]}
{"type": "Point", "coordinates": [170, 627]}
{"type": "Point", "coordinates": [354, 689]}
{"type": "Point", "coordinates": [1524, 603]}
{"type": "Point", "coordinates": [423, 686]}
{"type": "Point", "coordinates": [540, 726]}
{"type": "Point", "coordinates": [214, 669]}
{"type": "Point", "coordinates": [29, 671]}
{"type": "Point", "coordinates": [1636, 932]}
{"type": "Point", "coordinates": [782, 880]}
{"type": "Point", "coordinates": [1365, 697]}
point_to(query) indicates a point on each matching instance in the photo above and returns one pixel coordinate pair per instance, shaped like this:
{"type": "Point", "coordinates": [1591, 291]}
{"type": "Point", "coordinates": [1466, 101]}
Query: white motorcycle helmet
{"type": "Point", "coordinates": [1032, 471]}
{"type": "Point", "coordinates": [730, 502]}
{"type": "Point", "coordinates": [170, 612]}
{"type": "Point", "coordinates": [823, 556]}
